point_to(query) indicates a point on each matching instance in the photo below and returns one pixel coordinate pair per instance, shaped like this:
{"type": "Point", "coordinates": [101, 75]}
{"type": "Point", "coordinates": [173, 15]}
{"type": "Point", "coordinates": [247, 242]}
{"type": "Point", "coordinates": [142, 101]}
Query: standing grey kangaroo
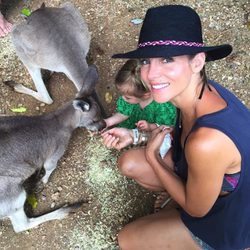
{"type": "Point", "coordinates": [31, 144]}
{"type": "Point", "coordinates": [56, 39]}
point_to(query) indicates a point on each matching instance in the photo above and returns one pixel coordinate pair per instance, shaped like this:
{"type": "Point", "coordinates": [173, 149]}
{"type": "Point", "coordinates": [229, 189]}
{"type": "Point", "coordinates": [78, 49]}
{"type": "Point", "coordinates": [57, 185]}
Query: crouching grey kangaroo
{"type": "Point", "coordinates": [56, 39]}
{"type": "Point", "coordinates": [29, 144]}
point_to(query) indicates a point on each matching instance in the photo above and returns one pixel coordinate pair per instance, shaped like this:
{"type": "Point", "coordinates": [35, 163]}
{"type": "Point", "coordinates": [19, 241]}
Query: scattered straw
{"type": "Point", "coordinates": [7, 52]}
{"type": "Point", "coordinates": [117, 200]}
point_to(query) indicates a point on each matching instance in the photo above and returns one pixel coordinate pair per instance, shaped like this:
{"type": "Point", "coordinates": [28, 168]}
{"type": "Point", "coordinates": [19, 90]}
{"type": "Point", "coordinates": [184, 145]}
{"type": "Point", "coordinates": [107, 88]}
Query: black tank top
{"type": "Point", "coordinates": [227, 225]}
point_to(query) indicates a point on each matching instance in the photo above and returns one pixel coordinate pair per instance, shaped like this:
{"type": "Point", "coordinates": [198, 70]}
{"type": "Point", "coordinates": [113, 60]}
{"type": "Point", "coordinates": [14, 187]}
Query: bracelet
{"type": "Point", "coordinates": [143, 138]}
{"type": "Point", "coordinates": [135, 136]}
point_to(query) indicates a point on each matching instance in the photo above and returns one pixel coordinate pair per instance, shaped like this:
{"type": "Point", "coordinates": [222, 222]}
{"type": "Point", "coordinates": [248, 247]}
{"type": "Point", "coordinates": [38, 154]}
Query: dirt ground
{"type": "Point", "coordinates": [88, 171]}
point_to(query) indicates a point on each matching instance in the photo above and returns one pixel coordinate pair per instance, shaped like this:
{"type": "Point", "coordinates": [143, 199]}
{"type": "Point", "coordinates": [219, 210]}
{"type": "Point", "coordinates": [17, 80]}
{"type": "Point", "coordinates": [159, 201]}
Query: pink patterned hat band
{"type": "Point", "coordinates": [171, 42]}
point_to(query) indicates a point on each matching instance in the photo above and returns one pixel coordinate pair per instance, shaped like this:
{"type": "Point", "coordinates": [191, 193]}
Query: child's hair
{"type": "Point", "coordinates": [129, 77]}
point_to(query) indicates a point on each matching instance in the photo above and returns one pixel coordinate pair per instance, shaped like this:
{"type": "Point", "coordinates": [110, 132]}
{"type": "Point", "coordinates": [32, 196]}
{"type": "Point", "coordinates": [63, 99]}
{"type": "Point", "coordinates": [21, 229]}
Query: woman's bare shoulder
{"type": "Point", "coordinates": [212, 147]}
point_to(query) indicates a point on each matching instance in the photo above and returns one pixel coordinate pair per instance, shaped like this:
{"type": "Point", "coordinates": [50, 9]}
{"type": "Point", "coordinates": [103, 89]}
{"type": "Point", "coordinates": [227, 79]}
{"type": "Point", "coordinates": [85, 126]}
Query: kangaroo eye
{"type": "Point", "coordinates": [85, 106]}
{"type": "Point", "coordinates": [79, 104]}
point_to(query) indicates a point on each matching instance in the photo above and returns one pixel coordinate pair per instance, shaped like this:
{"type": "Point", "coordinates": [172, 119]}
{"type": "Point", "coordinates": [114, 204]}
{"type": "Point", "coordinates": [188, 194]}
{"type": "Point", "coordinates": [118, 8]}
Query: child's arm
{"type": "Point", "coordinates": [152, 126]}
{"type": "Point", "coordinates": [146, 126]}
{"type": "Point", "coordinates": [115, 119]}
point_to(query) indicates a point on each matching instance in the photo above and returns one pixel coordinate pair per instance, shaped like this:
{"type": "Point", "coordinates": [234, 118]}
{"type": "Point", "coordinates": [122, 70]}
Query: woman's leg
{"type": "Point", "coordinates": [134, 165]}
{"type": "Point", "coordinates": [162, 230]}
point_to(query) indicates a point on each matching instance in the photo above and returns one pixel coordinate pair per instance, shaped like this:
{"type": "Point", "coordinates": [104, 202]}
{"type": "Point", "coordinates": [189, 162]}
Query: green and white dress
{"type": "Point", "coordinates": [160, 113]}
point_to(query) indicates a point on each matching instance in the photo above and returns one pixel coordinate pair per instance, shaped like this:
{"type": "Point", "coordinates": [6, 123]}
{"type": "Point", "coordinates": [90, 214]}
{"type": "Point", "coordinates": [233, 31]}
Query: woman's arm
{"type": "Point", "coordinates": [209, 154]}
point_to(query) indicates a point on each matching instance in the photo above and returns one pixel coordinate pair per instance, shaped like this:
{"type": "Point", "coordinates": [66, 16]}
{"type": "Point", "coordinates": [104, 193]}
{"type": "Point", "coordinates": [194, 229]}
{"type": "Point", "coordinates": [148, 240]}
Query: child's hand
{"type": "Point", "coordinates": [143, 125]}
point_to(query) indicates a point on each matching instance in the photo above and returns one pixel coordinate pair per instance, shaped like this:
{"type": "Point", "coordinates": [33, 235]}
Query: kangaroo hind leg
{"type": "Point", "coordinates": [21, 222]}
{"type": "Point", "coordinates": [41, 94]}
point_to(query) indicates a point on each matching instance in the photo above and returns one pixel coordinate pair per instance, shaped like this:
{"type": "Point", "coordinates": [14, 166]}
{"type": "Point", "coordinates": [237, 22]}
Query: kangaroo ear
{"type": "Point", "coordinates": [89, 82]}
{"type": "Point", "coordinates": [80, 104]}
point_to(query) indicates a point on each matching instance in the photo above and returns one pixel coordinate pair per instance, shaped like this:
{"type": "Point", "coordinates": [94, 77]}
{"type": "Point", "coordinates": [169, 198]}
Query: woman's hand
{"type": "Point", "coordinates": [155, 141]}
{"type": "Point", "coordinates": [117, 138]}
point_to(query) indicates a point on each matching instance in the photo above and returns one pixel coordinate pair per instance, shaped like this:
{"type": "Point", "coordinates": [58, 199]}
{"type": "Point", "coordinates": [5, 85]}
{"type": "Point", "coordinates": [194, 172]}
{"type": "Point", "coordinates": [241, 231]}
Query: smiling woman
{"type": "Point", "coordinates": [168, 77]}
{"type": "Point", "coordinates": [207, 171]}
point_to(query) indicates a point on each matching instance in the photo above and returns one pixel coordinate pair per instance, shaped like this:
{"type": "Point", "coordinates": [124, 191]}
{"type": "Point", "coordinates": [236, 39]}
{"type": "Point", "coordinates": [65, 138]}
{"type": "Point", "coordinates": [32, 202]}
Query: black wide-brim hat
{"type": "Point", "coordinates": [173, 30]}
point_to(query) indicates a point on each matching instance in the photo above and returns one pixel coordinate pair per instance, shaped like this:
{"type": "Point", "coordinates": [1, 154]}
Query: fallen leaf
{"type": "Point", "coordinates": [108, 97]}
{"type": "Point", "coordinates": [32, 200]}
{"type": "Point", "coordinates": [19, 110]}
{"type": "Point", "coordinates": [26, 12]}
{"type": "Point", "coordinates": [136, 21]}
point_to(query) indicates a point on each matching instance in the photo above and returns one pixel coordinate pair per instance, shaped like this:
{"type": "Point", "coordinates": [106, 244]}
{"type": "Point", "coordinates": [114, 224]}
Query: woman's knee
{"type": "Point", "coordinates": [127, 164]}
{"type": "Point", "coordinates": [122, 240]}
{"type": "Point", "coordinates": [126, 238]}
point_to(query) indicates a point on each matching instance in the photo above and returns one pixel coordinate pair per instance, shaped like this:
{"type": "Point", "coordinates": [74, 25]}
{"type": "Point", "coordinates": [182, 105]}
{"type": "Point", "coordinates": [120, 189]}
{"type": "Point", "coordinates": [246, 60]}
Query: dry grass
{"type": "Point", "coordinates": [116, 200]}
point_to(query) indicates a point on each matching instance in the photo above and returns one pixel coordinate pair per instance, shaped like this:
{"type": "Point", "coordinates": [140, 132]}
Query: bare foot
{"type": "Point", "coordinates": [162, 199]}
{"type": "Point", "coordinates": [5, 26]}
